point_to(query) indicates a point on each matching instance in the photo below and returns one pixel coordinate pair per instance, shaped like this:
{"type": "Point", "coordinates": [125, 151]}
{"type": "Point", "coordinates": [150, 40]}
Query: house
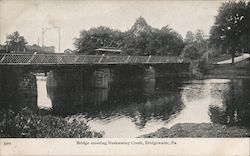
{"type": "Point", "coordinates": [68, 51]}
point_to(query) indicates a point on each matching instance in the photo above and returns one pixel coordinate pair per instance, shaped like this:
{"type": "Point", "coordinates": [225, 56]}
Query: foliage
{"type": "Point", "coordinates": [141, 39]}
{"type": "Point", "coordinates": [189, 37]}
{"type": "Point", "coordinates": [196, 45]}
{"type": "Point", "coordinates": [231, 29]}
{"type": "Point", "coordinates": [190, 51]}
{"type": "Point", "coordinates": [29, 125]}
{"type": "Point", "coordinates": [16, 42]}
{"type": "Point", "coordinates": [98, 37]}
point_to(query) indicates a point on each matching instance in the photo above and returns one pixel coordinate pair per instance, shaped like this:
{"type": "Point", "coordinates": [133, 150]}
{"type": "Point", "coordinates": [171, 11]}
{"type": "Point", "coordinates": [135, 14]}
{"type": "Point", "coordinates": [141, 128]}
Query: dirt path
{"type": "Point", "coordinates": [236, 59]}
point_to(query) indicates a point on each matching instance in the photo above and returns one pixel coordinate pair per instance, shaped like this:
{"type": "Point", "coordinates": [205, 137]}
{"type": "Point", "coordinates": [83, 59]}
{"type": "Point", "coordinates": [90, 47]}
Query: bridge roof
{"type": "Point", "coordinates": [109, 49]}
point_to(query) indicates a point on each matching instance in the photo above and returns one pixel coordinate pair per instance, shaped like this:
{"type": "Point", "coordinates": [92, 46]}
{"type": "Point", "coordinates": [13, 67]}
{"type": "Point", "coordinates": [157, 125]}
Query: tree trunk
{"type": "Point", "coordinates": [233, 55]}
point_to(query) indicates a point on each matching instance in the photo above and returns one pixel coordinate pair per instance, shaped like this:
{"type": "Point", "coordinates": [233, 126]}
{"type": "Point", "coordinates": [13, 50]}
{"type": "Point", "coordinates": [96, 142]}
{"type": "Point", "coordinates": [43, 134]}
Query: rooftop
{"type": "Point", "coordinates": [109, 49]}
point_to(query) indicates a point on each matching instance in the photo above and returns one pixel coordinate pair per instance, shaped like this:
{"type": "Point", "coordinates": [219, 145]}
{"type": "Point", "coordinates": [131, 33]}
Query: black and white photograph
{"type": "Point", "coordinates": [125, 69]}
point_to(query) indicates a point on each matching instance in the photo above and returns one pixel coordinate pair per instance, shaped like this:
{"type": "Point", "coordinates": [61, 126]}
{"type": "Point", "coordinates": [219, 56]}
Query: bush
{"type": "Point", "coordinates": [26, 124]}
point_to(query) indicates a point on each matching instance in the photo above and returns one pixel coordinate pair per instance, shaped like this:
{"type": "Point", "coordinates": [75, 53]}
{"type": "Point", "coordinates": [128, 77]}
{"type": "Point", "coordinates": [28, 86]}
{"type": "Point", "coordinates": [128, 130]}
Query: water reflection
{"type": "Point", "coordinates": [235, 109]}
{"type": "Point", "coordinates": [197, 96]}
{"type": "Point", "coordinates": [131, 106]}
{"type": "Point", "coordinates": [130, 101]}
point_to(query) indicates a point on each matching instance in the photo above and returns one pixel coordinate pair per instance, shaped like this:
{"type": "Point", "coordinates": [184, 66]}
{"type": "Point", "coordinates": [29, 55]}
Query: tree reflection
{"type": "Point", "coordinates": [236, 108]}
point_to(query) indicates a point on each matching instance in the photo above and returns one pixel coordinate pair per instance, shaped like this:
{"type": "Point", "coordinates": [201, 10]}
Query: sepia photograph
{"type": "Point", "coordinates": [166, 69]}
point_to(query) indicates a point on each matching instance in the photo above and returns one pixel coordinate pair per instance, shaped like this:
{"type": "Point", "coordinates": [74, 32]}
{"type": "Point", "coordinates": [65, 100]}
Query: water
{"type": "Point", "coordinates": [131, 107]}
{"type": "Point", "coordinates": [131, 110]}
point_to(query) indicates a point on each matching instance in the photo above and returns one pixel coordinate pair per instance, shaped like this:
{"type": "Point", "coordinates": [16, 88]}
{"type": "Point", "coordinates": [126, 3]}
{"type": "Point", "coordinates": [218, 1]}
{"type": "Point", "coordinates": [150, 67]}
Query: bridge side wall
{"type": "Point", "coordinates": [173, 70]}
{"type": "Point", "coordinates": [87, 77]}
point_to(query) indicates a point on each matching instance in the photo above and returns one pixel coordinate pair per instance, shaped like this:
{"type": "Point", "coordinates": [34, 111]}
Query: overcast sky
{"type": "Point", "coordinates": [29, 16]}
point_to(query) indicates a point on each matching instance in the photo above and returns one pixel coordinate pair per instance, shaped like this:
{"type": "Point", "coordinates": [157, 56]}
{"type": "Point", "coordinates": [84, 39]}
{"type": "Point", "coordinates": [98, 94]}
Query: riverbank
{"type": "Point", "coordinates": [205, 130]}
{"type": "Point", "coordinates": [228, 71]}
{"type": "Point", "coordinates": [28, 124]}
{"type": "Point", "coordinates": [239, 70]}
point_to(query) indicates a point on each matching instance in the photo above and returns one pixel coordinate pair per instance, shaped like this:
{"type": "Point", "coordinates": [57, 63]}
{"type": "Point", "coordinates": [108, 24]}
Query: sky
{"type": "Point", "coordinates": [28, 17]}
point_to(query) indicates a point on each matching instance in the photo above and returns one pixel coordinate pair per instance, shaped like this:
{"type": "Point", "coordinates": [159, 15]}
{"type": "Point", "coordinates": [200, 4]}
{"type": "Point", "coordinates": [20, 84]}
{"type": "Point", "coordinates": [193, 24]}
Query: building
{"type": "Point", "coordinates": [69, 51]}
{"type": "Point", "coordinates": [37, 48]}
{"type": "Point", "coordinates": [108, 51]}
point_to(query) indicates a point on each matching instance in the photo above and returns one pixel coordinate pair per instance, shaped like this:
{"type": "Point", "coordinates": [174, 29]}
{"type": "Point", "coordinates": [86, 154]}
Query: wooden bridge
{"type": "Point", "coordinates": [78, 59]}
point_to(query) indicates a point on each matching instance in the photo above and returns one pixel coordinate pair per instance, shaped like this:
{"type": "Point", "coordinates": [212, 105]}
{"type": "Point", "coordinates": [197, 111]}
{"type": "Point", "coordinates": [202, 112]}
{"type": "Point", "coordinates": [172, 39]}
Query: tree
{"type": "Point", "coordinates": [16, 42]}
{"type": "Point", "coordinates": [137, 38]}
{"type": "Point", "coordinates": [98, 37]}
{"type": "Point", "coordinates": [141, 39]}
{"type": "Point", "coordinates": [245, 43]}
{"type": "Point", "coordinates": [231, 23]}
{"type": "Point", "coordinates": [196, 44]}
{"type": "Point", "coordinates": [140, 26]}
{"type": "Point", "coordinates": [171, 43]}
{"type": "Point", "coordinates": [190, 51]}
{"type": "Point", "coordinates": [189, 37]}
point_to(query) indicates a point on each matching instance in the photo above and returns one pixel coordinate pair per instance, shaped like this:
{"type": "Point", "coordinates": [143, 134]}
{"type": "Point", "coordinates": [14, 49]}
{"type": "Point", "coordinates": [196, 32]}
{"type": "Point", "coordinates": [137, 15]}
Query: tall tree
{"type": "Point", "coordinates": [171, 42]}
{"type": "Point", "coordinates": [16, 42]}
{"type": "Point", "coordinates": [98, 37]}
{"type": "Point", "coordinates": [231, 23]}
{"type": "Point", "coordinates": [141, 39]}
{"type": "Point", "coordinates": [137, 38]}
{"type": "Point", "coordinates": [195, 44]}
{"type": "Point", "coordinates": [189, 37]}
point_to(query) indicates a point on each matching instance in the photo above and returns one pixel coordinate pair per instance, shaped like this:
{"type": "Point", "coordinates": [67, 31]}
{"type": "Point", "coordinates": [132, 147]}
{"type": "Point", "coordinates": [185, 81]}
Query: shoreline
{"type": "Point", "coordinates": [201, 130]}
{"type": "Point", "coordinates": [225, 77]}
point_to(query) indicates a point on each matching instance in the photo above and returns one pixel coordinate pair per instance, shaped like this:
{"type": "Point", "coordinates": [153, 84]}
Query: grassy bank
{"type": "Point", "coordinates": [209, 69]}
{"type": "Point", "coordinates": [238, 70]}
{"type": "Point", "coordinates": [206, 130]}
{"type": "Point", "coordinates": [27, 124]}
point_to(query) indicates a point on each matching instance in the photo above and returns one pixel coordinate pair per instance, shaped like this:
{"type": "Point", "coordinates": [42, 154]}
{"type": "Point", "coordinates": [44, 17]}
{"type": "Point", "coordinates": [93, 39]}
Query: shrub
{"type": "Point", "coordinates": [26, 124]}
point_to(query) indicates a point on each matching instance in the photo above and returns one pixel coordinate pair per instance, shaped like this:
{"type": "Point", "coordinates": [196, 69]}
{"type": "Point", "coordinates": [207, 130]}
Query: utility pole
{"type": "Point", "coordinates": [59, 40]}
{"type": "Point", "coordinates": [42, 36]}
{"type": "Point", "coordinates": [59, 35]}
{"type": "Point", "coordinates": [43, 32]}
{"type": "Point", "coordinates": [7, 44]}
{"type": "Point", "coordinates": [38, 44]}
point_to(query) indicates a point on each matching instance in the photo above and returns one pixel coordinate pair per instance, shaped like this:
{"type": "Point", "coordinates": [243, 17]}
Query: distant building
{"type": "Point", "coordinates": [108, 51]}
{"type": "Point", "coordinates": [69, 51]}
{"type": "Point", "coordinates": [2, 49]}
{"type": "Point", "coordinates": [50, 49]}
{"type": "Point", "coordinates": [36, 48]}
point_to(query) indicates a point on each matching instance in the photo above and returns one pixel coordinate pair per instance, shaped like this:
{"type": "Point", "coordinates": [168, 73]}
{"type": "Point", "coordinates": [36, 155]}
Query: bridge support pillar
{"type": "Point", "coordinates": [85, 77]}
{"type": "Point", "coordinates": [101, 78]}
